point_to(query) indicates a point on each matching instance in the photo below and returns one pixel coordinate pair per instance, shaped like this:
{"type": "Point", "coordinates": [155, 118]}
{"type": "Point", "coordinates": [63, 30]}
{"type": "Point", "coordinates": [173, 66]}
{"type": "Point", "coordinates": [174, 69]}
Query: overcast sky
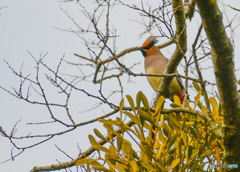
{"type": "Point", "coordinates": [30, 26]}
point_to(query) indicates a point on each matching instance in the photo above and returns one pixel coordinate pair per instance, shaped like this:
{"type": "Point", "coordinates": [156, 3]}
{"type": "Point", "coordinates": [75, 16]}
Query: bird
{"type": "Point", "coordinates": [155, 63]}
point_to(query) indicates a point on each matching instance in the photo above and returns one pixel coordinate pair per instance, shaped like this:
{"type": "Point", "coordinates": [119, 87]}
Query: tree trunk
{"type": "Point", "coordinates": [222, 52]}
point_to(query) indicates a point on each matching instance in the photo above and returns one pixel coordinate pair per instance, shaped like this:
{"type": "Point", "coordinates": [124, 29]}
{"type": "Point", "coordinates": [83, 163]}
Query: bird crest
{"type": "Point", "coordinates": [149, 42]}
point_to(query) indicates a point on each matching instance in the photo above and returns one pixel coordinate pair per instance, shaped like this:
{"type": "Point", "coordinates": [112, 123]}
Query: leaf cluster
{"type": "Point", "coordinates": [174, 141]}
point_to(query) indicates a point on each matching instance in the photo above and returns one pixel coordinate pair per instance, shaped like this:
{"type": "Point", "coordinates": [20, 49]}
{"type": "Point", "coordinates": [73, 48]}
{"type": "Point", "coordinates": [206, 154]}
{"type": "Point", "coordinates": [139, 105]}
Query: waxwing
{"type": "Point", "coordinates": [156, 63]}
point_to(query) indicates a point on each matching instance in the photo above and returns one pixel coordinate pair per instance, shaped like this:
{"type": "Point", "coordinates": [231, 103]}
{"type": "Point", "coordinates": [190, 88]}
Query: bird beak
{"type": "Point", "coordinates": [142, 51]}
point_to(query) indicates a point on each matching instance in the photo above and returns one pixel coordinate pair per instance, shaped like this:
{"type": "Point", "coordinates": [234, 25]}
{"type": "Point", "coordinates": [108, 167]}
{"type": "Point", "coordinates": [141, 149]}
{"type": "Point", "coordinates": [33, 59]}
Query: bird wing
{"type": "Point", "coordinates": [180, 82]}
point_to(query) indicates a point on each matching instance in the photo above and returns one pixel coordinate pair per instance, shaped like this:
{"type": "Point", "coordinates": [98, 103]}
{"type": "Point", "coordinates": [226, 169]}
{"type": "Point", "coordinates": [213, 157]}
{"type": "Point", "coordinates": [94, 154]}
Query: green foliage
{"type": "Point", "coordinates": [165, 142]}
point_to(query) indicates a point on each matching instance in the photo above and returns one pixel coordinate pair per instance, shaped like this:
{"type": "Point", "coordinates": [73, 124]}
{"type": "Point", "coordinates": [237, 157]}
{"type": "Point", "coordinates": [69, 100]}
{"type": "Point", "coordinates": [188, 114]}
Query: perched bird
{"type": "Point", "coordinates": [156, 63]}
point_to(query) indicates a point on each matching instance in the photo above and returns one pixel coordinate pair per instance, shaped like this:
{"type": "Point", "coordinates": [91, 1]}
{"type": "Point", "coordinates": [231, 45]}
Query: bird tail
{"type": "Point", "coordinates": [181, 95]}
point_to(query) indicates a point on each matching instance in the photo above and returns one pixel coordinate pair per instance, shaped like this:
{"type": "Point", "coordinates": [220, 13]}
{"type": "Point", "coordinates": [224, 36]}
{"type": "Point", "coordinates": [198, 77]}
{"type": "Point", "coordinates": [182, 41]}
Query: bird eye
{"type": "Point", "coordinates": [147, 47]}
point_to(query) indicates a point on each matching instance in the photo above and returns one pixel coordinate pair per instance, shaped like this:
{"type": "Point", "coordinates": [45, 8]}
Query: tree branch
{"type": "Point", "coordinates": [181, 40]}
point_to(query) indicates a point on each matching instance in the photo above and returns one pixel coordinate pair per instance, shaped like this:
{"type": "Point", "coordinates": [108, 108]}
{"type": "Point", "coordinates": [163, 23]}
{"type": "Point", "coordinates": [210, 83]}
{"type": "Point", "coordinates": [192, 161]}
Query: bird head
{"type": "Point", "coordinates": [148, 45]}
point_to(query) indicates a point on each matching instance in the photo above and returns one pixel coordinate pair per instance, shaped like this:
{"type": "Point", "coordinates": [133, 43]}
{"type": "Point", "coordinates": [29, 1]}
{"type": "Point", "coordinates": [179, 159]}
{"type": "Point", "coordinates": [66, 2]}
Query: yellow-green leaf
{"type": "Point", "coordinates": [201, 149]}
{"type": "Point", "coordinates": [110, 129]}
{"type": "Point", "coordinates": [134, 165]}
{"type": "Point", "coordinates": [92, 140]}
{"type": "Point", "coordinates": [110, 157]}
{"type": "Point", "coordinates": [143, 142]}
{"type": "Point", "coordinates": [120, 168]}
{"type": "Point", "coordinates": [214, 104]}
{"type": "Point", "coordinates": [194, 153]}
{"type": "Point", "coordinates": [146, 125]}
{"type": "Point", "coordinates": [119, 143]}
{"type": "Point", "coordinates": [159, 105]}
{"type": "Point", "coordinates": [184, 137]}
{"type": "Point", "coordinates": [133, 118]}
{"type": "Point", "coordinates": [187, 104]}
{"type": "Point", "coordinates": [194, 165]}
{"type": "Point", "coordinates": [139, 98]}
{"type": "Point", "coordinates": [197, 98]}
{"type": "Point", "coordinates": [176, 123]}
{"type": "Point", "coordinates": [130, 100]}
{"type": "Point", "coordinates": [160, 150]}
{"type": "Point", "coordinates": [156, 144]}
{"type": "Point", "coordinates": [100, 147]}
{"type": "Point", "coordinates": [84, 161]}
{"type": "Point", "coordinates": [192, 131]}
{"type": "Point", "coordinates": [165, 132]}
{"type": "Point", "coordinates": [112, 149]}
{"type": "Point", "coordinates": [172, 140]}
{"type": "Point", "coordinates": [162, 120]}
{"type": "Point", "coordinates": [174, 105]}
{"type": "Point", "coordinates": [137, 131]}
{"type": "Point", "coordinates": [196, 86]}
{"type": "Point", "coordinates": [121, 107]}
{"type": "Point", "coordinates": [161, 137]}
{"type": "Point", "coordinates": [100, 135]}
{"type": "Point", "coordinates": [204, 109]}
{"type": "Point", "coordinates": [145, 116]}
{"type": "Point", "coordinates": [160, 166]}
{"type": "Point", "coordinates": [127, 127]}
{"type": "Point", "coordinates": [87, 162]}
{"type": "Point", "coordinates": [134, 153]}
{"type": "Point", "coordinates": [147, 165]}
{"type": "Point", "coordinates": [81, 162]}
{"type": "Point", "coordinates": [171, 157]}
{"type": "Point", "coordinates": [145, 102]}
{"type": "Point", "coordinates": [211, 138]}
{"type": "Point", "coordinates": [97, 166]}
{"type": "Point", "coordinates": [174, 163]}
{"type": "Point", "coordinates": [148, 151]}
{"type": "Point", "coordinates": [190, 149]}
{"type": "Point", "coordinates": [126, 147]}
{"type": "Point", "coordinates": [109, 122]}
{"type": "Point", "coordinates": [177, 101]}
{"type": "Point", "coordinates": [183, 124]}
{"type": "Point", "coordinates": [190, 123]}
{"type": "Point", "coordinates": [206, 153]}
{"type": "Point", "coordinates": [110, 164]}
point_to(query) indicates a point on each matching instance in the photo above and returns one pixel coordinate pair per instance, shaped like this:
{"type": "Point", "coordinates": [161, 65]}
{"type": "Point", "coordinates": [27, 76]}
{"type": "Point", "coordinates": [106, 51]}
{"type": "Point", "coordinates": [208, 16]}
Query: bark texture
{"type": "Point", "coordinates": [226, 81]}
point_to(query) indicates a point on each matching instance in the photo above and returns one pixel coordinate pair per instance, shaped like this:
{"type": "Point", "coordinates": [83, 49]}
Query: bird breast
{"type": "Point", "coordinates": [153, 80]}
